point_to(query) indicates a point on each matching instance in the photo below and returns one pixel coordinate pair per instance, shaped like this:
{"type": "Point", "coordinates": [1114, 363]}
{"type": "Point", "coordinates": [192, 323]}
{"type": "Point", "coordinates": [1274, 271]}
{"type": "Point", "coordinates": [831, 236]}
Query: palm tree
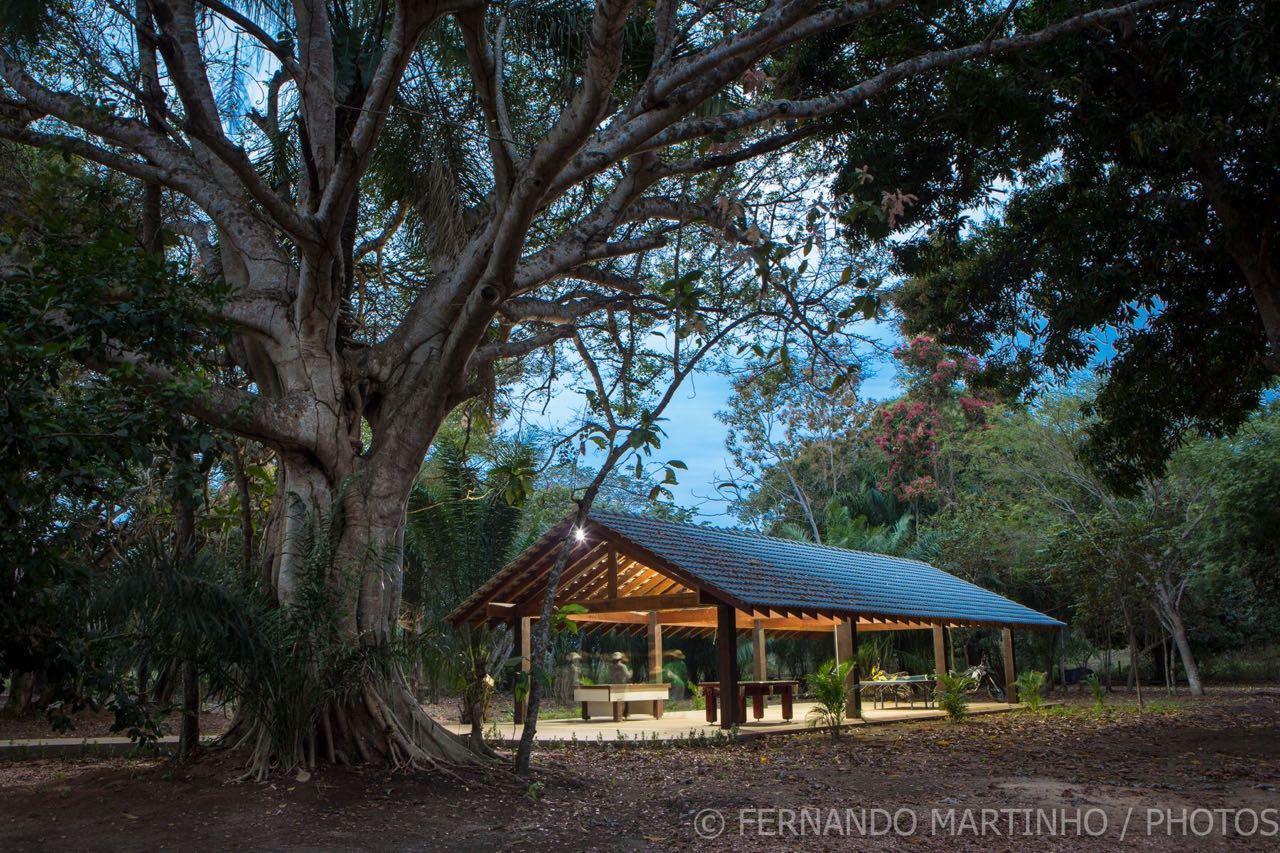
{"type": "Point", "coordinates": [464, 520]}
{"type": "Point", "coordinates": [843, 529]}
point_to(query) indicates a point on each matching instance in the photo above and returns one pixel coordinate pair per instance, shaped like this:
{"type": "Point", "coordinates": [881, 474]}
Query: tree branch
{"type": "Point", "coordinates": [819, 107]}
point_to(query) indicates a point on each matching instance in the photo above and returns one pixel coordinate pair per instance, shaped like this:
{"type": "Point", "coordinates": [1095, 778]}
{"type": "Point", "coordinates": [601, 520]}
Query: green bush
{"type": "Point", "coordinates": [1099, 691]}
{"type": "Point", "coordinates": [952, 694]}
{"type": "Point", "coordinates": [1029, 685]}
{"type": "Point", "coordinates": [1243, 666]}
{"type": "Point", "coordinates": [830, 695]}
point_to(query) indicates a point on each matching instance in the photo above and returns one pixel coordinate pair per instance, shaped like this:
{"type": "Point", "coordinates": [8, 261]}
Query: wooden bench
{"type": "Point", "coordinates": [620, 697]}
{"type": "Point", "coordinates": [758, 691]}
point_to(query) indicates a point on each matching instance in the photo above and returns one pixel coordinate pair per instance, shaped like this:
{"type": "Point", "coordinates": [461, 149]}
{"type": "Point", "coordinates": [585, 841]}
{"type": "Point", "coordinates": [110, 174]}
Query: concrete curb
{"type": "Point", "coordinates": [101, 747]}
{"type": "Point", "coordinates": [18, 750]}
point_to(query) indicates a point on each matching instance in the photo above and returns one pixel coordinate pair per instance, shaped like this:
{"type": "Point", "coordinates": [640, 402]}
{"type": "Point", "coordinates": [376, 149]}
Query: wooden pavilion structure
{"type": "Point", "coordinates": [663, 579]}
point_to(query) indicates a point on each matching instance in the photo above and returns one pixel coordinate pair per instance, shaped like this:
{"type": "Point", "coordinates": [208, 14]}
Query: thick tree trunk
{"type": "Point", "coordinates": [24, 693]}
{"type": "Point", "coordinates": [245, 495]}
{"type": "Point", "coordinates": [1249, 240]}
{"type": "Point", "coordinates": [1170, 615]}
{"type": "Point", "coordinates": [189, 734]}
{"type": "Point", "coordinates": [1108, 658]}
{"type": "Point", "coordinates": [337, 557]}
{"type": "Point", "coordinates": [1133, 655]}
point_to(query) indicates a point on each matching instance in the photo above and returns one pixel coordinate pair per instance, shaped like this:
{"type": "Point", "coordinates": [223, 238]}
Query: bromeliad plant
{"type": "Point", "coordinates": [953, 694]}
{"type": "Point", "coordinates": [830, 695]}
{"type": "Point", "coordinates": [1029, 684]}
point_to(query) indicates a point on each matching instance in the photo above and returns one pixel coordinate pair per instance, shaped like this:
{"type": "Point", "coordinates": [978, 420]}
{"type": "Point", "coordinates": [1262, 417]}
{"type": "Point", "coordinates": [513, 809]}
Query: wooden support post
{"type": "Point", "coordinates": [727, 652]}
{"type": "Point", "coordinates": [762, 666]}
{"type": "Point", "coordinates": [855, 697]}
{"type": "Point", "coordinates": [1010, 668]}
{"type": "Point", "coordinates": [521, 630]}
{"type": "Point", "coordinates": [844, 643]}
{"type": "Point", "coordinates": [655, 649]}
{"type": "Point", "coordinates": [1062, 658]}
{"type": "Point", "coordinates": [951, 649]}
{"type": "Point", "coordinates": [939, 651]}
{"type": "Point", "coordinates": [847, 650]}
{"type": "Point", "coordinates": [613, 573]}
{"type": "Point", "coordinates": [655, 661]}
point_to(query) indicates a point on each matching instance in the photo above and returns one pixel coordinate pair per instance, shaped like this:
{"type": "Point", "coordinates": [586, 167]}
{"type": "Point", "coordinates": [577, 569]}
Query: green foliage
{"type": "Point", "coordinates": [1142, 160]}
{"type": "Point", "coordinates": [874, 652]}
{"type": "Point", "coordinates": [74, 449]}
{"type": "Point", "coordinates": [953, 696]}
{"type": "Point", "coordinates": [295, 662]}
{"type": "Point", "coordinates": [1244, 666]}
{"type": "Point", "coordinates": [159, 609]}
{"type": "Point", "coordinates": [464, 522]}
{"type": "Point", "coordinates": [830, 695]}
{"type": "Point", "coordinates": [1030, 683]}
{"type": "Point", "coordinates": [1039, 525]}
{"type": "Point", "coordinates": [1099, 691]}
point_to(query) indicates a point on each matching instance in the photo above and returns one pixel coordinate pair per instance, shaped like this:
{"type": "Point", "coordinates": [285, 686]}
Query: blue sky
{"type": "Point", "coordinates": [696, 437]}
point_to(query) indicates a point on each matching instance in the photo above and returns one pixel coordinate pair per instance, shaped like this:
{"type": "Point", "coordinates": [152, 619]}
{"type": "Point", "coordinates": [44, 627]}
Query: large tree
{"type": "Point", "coordinates": [1131, 181]}
{"type": "Point", "coordinates": [430, 190]}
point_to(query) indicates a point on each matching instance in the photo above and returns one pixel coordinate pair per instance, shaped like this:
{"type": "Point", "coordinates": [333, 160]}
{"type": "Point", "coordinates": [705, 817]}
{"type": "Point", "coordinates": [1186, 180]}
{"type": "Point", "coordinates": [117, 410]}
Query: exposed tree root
{"type": "Point", "coordinates": [376, 724]}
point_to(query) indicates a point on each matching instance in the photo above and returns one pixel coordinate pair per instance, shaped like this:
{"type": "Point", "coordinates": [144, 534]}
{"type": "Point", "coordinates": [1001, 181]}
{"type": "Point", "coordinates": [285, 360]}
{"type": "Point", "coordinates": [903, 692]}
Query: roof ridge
{"type": "Point", "coordinates": [737, 531]}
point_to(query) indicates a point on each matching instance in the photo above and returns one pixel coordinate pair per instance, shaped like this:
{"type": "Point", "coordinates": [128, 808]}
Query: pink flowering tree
{"type": "Point", "coordinates": [914, 431]}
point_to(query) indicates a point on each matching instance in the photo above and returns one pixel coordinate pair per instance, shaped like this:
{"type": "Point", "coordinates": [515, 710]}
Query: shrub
{"type": "Point", "coordinates": [952, 696]}
{"type": "Point", "coordinates": [1029, 685]}
{"type": "Point", "coordinates": [1099, 691]}
{"type": "Point", "coordinates": [830, 696]}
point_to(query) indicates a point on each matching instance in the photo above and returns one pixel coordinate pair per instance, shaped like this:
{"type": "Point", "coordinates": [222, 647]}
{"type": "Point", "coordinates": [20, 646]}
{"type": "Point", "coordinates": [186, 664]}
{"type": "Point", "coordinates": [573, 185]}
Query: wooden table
{"type": "Point", "coordinates": [620, 696]}
{"type": "Point", "coordinates": [890, 687]}
{"type": "Point", "coordinates": [758, 691]}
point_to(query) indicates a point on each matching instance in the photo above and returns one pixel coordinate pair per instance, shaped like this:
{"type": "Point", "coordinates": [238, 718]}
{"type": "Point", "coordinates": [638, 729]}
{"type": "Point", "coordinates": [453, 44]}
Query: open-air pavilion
{"type": "Point", "coordinates": [663, 578]}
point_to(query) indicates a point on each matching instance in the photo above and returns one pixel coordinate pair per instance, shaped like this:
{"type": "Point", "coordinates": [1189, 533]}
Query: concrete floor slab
{"type": "Point", "coordinates": [692, 725]}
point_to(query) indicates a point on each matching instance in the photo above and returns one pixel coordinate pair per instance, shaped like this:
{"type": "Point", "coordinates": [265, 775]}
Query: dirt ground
{"type": "Point", "coordinates": [1083, 780]}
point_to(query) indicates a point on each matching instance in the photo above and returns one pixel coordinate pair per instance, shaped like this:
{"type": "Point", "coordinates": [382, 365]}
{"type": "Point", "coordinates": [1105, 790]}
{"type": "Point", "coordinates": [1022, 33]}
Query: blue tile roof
{"type": "Point", "coordinates": [768, 573]}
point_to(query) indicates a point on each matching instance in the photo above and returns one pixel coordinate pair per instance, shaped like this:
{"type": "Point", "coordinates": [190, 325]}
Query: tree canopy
{"type": "Point", "coordinates": [1136, 233]}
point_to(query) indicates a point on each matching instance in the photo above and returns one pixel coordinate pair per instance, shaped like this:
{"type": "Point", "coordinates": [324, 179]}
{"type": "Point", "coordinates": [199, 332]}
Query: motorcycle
{"type": "Point", "coordinates": [982, 678]}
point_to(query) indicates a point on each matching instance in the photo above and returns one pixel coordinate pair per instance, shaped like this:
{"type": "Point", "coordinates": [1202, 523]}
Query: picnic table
{"type": "Point", "coordinates": [618, 697]}
{"type": "Point", "coordinates": [758, 691]}
{"type": "Point", "coordinates": [915, 687]}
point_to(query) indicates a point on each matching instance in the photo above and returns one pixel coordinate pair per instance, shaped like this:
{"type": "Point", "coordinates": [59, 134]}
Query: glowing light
{"type": "Point", "coordinates": [579, 534]}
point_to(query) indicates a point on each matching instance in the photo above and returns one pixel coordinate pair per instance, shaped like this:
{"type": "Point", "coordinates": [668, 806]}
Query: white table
{"type": "Point", "coordinates": [618, 698]}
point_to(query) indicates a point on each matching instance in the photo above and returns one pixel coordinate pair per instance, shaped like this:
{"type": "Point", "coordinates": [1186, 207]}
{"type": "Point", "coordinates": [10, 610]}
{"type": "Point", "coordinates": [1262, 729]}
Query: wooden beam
{"type": "Point", "coordinates": [939, 651]}
{"type": "Point", "coordinates": [854, 708]}
{"type": "Point", "coordinates": [613, 571]}
{"type": "Point", "coordinates": [591, 584]}
{"type": "Point", "coordinates": [637, 602]}
{"type": "Point", "coordinates": [847, 650]}
{"type": "Point", "coordinates": [655, 649]}
{"type": "Point", "coordinates": [1010, 667]}
{"type": "Point", "coordinates": [762, 665]}
{"type": "Point", "coordinates": [660, 564]}
{"type": "Point", "coordinates": [727, 654]}
{"type": "Point", "coordinates": [499, 611]}
{"type": "Point", "coordinates": [530, 588]}
{"type": "Point", "coordinates": [522, 631]}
